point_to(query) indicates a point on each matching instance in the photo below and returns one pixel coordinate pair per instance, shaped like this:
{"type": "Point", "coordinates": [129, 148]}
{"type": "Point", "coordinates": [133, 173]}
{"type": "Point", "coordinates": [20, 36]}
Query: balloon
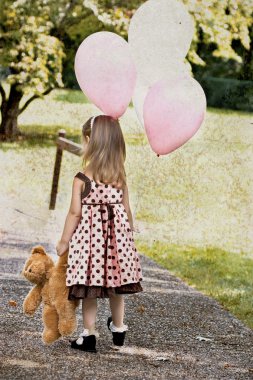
{"type": "Point", "coordinates": [160, 33]}
{"type": "Point", "coordinates": [173, 112]}
{"type": "Point", "coordinates": [175, 72]}
{"type": "Point", "coordinates": [106, 72]}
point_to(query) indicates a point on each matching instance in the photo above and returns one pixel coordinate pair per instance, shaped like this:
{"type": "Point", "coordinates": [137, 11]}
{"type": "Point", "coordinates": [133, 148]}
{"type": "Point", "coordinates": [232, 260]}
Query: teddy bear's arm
{"type": "Point", "coordinates": [32, 300]}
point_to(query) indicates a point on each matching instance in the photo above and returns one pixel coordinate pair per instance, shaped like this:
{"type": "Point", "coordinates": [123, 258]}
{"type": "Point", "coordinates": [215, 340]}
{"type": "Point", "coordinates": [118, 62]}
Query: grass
{"type": "Point", "coordinates": [70, 96]}
{"type": "Point", "coordinates": [199, 196]}
{"type": "Point", "coordinates": [222, 275]}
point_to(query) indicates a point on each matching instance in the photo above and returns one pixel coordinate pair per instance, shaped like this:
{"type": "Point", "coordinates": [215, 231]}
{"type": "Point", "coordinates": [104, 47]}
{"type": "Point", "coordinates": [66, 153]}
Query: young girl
{"type": "Point", "coordinates": [98, 232]}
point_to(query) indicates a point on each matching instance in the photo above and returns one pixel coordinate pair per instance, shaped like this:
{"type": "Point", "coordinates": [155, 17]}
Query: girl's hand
{"type": "Point", "coordinates": [62, 247]}
{"type": "Point", "coordinates": [135, 229]}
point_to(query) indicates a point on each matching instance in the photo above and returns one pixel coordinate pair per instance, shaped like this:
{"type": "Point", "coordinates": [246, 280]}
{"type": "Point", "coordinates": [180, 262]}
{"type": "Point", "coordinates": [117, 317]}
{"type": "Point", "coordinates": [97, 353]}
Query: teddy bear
{"type": "Point", "coordinates": [59, 314]}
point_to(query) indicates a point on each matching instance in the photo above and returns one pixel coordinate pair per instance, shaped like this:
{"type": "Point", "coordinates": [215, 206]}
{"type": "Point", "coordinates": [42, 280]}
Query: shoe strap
{"type": "Point", "coordinates": [82, 335]}
{"type": "Point", "coordinates": [85, 332]}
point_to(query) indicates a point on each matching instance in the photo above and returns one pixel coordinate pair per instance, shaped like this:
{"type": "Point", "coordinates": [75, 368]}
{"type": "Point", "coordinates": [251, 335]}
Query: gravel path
{"type": "Point", "coordinates": [167, 323]}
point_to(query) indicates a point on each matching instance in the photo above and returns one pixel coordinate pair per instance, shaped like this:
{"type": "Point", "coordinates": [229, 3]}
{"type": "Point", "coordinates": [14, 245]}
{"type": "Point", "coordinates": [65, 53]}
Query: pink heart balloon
{"type": "Point", "coordinates": [173, 112]}
{"type": "Point", "coordinates": [106, 72]}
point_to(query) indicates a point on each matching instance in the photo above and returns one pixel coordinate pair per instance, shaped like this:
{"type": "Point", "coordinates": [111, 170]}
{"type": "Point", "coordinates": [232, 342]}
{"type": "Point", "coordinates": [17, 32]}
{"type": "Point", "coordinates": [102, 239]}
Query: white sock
{"type": "Point", "coordinates": [114, 328]}
{"type": "Point", "coordinates": [86, 332]}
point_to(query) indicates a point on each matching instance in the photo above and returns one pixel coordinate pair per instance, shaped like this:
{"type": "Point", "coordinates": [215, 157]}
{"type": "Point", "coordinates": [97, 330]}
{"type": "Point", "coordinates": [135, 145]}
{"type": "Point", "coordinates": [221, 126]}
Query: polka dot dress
{"type": "Point", "coordinates": [102, 256]}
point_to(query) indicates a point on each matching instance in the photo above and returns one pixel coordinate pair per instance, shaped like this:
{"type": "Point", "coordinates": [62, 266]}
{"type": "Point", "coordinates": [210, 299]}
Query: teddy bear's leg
{"type": "Point", "coordinates": [67, 317]}
{"type": "Point", "coordinates": [50, 319]}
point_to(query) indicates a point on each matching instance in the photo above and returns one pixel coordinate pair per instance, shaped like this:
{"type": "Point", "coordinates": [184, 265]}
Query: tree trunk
{"type": "Point", "coordinates": [247, 67]}
{"type": "Point", "coordinates": [9, 113]}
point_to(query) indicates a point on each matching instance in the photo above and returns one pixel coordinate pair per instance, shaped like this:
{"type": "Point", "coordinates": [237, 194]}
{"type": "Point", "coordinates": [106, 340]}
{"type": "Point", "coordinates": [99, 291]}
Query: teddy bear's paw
{"type": "Point", "coordinates": [50, 336]}
{"type": "Point", "coordinates": [67, 328]}
{"type": "Point", "coordinates": [28, 311]}
{"type": "Point", "coordinates": [30, 315]}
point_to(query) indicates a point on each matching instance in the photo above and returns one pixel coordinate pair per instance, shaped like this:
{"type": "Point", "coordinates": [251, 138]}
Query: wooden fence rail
{"type": "Point", "coordinates": [61, 144]}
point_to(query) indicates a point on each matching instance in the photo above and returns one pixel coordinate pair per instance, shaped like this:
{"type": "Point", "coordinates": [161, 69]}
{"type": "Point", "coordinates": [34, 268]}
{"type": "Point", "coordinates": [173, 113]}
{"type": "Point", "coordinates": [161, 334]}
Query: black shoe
{"type": "Point", "coordinates": [117, 337]}
{"type": "Point", "coordinates": [88, 343]}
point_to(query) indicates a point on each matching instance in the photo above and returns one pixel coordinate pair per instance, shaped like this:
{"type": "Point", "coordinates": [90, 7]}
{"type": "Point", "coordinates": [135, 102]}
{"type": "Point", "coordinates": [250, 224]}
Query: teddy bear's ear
{"type": "Point", "coordinates": [38, 249]}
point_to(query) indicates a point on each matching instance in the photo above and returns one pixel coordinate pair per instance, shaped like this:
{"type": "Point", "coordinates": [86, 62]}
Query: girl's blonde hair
{"type": "Point", "coordinates": [105, 154]}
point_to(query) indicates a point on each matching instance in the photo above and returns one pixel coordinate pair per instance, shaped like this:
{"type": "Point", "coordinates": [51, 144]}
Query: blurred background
{"type": "Point", "coordinates": [193, 207]}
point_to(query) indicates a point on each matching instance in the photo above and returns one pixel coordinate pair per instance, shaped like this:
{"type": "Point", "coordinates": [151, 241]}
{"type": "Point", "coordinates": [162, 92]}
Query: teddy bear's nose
{"type": "Point", "coordinates": [30, 270]}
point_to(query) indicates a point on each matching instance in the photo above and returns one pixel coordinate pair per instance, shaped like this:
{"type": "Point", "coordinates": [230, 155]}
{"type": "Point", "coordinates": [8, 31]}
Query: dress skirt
{"type": "Point", "coordinates": [78, 291]}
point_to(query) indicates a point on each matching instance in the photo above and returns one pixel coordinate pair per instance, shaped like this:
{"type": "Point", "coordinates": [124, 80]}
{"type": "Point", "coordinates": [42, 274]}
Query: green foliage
{"type": "Point", "coordinates": [218, 23]}
{"type": "Point", "coordinates": [33, 56]}
{"type": "Point", "coordinates": [71, 96]}
{"type": "Point", "coordinates": [228, 93]}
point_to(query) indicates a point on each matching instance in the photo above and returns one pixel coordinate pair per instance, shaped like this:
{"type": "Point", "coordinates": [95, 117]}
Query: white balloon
{"type": "Point", "coordinates": [176, 71]}
{"type": "Point", "coordinates": [160, 32]}
{"type": "Point", "coordinates": [150, 74]}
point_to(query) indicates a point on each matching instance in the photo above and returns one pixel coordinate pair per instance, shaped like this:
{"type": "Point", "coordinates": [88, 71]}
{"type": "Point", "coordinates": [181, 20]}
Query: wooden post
{"type": "Point", "coordinates": [57, 168]}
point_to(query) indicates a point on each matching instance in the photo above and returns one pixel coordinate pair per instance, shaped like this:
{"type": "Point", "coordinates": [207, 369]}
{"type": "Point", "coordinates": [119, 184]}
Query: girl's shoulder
{"type": "Point", "coordinates": [87, 177]}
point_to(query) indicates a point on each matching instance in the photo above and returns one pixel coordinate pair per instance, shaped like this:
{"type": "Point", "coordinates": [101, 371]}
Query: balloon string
{"type": "Point", "coordinates": [140, 190]}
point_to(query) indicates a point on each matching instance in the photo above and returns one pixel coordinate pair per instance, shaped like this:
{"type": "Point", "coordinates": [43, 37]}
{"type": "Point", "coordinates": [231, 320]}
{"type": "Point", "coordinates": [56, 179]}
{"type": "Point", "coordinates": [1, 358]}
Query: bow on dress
{"type": "Point", "coordinates": [109, 206]}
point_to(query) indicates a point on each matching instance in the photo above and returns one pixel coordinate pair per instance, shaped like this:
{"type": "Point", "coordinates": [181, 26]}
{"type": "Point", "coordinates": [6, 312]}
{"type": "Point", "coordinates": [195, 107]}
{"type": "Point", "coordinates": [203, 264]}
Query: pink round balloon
{"type": "Point", "coordinates": [106, 72]}
{"type": "Point", "coordinates": [173, 112]}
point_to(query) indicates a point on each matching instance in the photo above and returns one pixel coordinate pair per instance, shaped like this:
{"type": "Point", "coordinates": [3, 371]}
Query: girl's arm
{"type": "Point", "coordinates": [73, 217]}
{"type": "Point", "coordinates": [126, 204]}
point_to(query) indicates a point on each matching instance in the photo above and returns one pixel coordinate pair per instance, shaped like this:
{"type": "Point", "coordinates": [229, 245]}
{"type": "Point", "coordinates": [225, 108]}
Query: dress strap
{"type": "Point", "coordinates": [82, 176]}
{"type": "Point", "coordinates": [87, 181]}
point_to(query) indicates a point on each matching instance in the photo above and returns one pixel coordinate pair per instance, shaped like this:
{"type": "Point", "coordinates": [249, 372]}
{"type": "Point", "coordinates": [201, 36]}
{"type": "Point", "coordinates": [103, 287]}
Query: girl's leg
{"type": "Point", "coordinates": [117, 307]}
{"type": "Point", "coordinates": [86, 340]}
{"type": "Point", "coordinates": [89, 309]}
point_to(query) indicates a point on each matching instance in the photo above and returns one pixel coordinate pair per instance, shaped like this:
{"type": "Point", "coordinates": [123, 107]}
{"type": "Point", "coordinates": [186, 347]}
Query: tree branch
{"type": "Point", "coordinates": [69, 8]}
{"type": "Point", "coordinates": [34, 97]}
